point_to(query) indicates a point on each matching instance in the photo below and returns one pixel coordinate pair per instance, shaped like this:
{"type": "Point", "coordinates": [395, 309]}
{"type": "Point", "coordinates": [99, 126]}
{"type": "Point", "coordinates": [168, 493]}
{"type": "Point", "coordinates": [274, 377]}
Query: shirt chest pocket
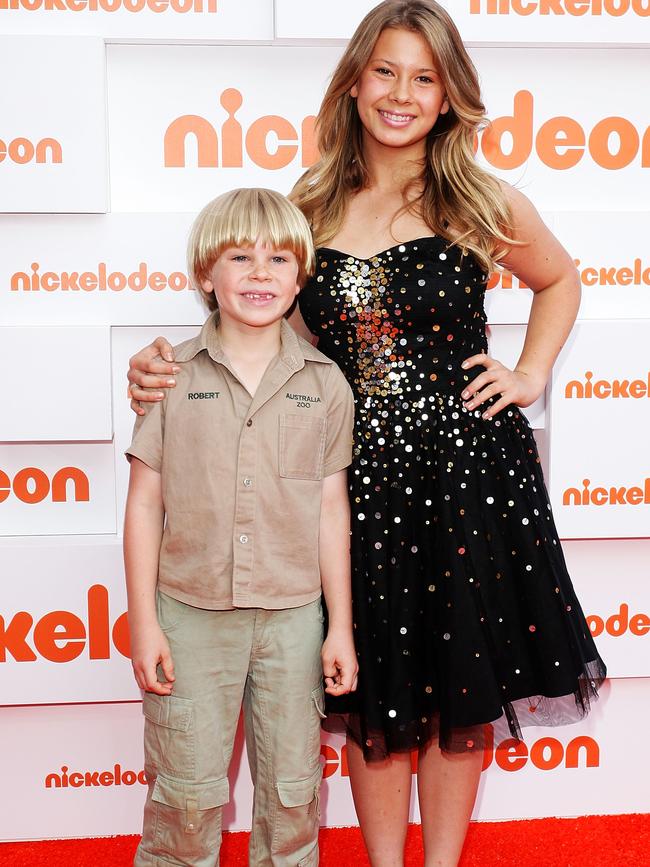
{"type": "Point", "coordinates": [302, 446]}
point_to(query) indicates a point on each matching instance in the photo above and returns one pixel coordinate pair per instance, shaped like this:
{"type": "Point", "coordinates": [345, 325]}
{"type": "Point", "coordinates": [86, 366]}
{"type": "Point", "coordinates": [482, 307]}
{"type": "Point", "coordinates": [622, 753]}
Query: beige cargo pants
{"type": "Point", "coordinates": [269, 662]}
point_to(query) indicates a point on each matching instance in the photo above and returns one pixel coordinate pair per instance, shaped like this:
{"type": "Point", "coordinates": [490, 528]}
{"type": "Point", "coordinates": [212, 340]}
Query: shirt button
{"type": "Point", "coordinates": [243, 539]}
{"type": "Point", "coordinates": [249, 422]}
{"type": "Point", "coordinates": [248, 482]}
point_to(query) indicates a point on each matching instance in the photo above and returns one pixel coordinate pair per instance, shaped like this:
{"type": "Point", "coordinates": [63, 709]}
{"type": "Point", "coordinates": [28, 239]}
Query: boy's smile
{"type": "Point", "coordinates": [254, 285]}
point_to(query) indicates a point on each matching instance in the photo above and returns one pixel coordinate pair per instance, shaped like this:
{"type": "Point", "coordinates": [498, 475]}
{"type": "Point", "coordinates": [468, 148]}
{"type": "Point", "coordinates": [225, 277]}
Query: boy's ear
{"type": "Point", "coordinates": [207, 286]}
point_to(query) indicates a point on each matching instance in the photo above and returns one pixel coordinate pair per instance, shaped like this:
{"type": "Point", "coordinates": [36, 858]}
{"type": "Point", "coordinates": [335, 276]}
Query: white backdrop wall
{"type": "Point", "coordinates": [125, 118]}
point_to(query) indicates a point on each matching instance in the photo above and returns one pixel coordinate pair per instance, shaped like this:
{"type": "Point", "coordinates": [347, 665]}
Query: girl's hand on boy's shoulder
{"type": "Point", "coordinates": [340, 666]}
{"type": "Point", "coordinates": [151, 368]}
{"type": "Point", "coordinates": [149, 647]}
{"type": "Point", "coordinates": [508, 386]}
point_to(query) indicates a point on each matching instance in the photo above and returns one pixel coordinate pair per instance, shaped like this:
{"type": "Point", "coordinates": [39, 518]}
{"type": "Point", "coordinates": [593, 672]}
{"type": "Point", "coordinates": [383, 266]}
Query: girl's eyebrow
{"type": "Point", "coordinates": [392, 63]}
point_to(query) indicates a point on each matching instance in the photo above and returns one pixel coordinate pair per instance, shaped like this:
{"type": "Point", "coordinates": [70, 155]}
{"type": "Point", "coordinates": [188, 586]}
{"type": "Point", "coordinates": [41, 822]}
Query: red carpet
{"type": "Point", "coordinates": [593, 841]}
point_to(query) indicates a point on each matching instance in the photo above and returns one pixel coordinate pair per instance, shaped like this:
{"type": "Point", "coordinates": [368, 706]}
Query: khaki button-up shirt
{"type": "Point", "coordinates": [242, 475]}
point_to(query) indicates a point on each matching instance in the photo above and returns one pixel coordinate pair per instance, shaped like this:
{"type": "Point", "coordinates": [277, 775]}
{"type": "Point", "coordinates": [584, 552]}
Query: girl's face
{"type": "Point", "coordinates": [399, 93]}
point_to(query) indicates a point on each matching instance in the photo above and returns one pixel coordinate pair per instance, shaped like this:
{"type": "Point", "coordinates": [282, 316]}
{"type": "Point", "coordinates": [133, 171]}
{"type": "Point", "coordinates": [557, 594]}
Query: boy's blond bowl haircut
{"type": "Point", "coordinates": [240, 218]}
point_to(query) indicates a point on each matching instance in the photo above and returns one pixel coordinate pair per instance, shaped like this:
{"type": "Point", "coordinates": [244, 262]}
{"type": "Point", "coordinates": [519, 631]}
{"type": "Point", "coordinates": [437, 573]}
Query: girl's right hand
{"type": "Point", "coordinates": [145, 373]}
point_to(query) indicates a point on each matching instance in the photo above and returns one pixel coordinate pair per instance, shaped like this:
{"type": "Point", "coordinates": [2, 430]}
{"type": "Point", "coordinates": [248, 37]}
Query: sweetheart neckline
{"type": "Point", "coordinates": [381, 252]}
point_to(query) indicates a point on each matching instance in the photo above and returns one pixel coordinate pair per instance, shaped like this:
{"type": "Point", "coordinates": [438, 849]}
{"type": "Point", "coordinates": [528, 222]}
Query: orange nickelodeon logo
{"type": "Point", "coordinates": [611, 496]}
{"type": "Point", "coordinates": [77, 779]}
{"type": "Point", "coordinates": [22, 150]}
{"type": "Point", "coordinates": [61, 636]}
{"type": "Point", "coordinates": [157, 6]}
{"type": "Point", "coordinates": [546, 754]}
{"type": "Point", "coordinates": [561, 142]}
{"type": "Point", "coordinates": [604, 388]}
{"type": "Point", "coordinates": [32, 485]}
{"type": "Point", "coordinates": [233, 141]}
{"type": "Point", "coordinates": [575, 8]}
{"type": "Point", "coordinates": [637, 275]}
{"type": "Point", "coordinates": [502, 279]}
{"type": "Point", "coordinates": [101, 279]}
{"type": "Point", "coordinates": [619, 623]}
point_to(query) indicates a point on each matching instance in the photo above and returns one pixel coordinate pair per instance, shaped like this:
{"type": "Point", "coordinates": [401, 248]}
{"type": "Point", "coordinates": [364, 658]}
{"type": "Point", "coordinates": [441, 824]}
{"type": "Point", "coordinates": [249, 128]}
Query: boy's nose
{"type": "Point", "coordinates": [260, 272]}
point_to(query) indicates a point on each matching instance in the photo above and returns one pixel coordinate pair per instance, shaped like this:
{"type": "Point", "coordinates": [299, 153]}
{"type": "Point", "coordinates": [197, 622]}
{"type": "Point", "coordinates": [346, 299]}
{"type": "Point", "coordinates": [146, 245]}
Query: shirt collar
{"type": "Point", "coordinates": [294, 351]}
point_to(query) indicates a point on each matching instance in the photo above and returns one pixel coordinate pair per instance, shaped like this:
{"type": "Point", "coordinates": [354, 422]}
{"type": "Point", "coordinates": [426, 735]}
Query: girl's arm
{"type": "Point", "coordinates": [544, 265]}
{"type": "Point", "coordinates": [143, 527]}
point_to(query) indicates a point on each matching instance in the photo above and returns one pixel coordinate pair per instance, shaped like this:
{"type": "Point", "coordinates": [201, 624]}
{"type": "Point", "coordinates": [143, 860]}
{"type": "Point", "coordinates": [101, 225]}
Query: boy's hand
{"type": "Point", "coordinates": [147, 650]}
{"type": "Point", "coordinates": [340, 665]}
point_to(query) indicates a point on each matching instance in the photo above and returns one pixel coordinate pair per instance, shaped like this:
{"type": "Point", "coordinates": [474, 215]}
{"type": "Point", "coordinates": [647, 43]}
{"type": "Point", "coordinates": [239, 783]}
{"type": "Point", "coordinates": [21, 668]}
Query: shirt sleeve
{"type": "Point", "coordinates": [147, 441]}
{"type": "Point", "coordinates": [340, 423]}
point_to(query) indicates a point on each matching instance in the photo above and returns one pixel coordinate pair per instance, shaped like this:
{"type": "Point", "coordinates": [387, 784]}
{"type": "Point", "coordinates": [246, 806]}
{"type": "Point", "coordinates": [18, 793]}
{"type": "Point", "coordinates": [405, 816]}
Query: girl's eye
{"type": "Point", "coordinates": [383, 70]}
{"type": "Point", "coordinates": [425, 79]}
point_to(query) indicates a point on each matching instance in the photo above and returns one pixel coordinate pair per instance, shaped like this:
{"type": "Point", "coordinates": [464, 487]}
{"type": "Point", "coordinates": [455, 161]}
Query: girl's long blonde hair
{"type": "Point", "coordinates": [457, 198]}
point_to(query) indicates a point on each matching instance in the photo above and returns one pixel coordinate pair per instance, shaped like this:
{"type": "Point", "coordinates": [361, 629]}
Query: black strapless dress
{"type": "Point", "coordinates": [463, 609]}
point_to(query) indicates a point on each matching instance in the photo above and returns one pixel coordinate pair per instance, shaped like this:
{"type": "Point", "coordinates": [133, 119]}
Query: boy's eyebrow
{"type": "Point", "coordinates": [270, 248]}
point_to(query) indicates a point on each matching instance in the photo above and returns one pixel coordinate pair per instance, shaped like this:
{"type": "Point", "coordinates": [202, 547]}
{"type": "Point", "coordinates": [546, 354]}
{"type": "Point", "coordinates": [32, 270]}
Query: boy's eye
{"type": "Point", "coordinates": [279, 259]}
{"type": "Point", "coordinates": [240, 257]}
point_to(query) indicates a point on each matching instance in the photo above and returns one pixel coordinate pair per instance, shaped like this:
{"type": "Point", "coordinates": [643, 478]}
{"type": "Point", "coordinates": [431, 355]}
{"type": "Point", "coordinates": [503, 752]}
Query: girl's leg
{"type": "Point", "coordinates": [447, 787]}
{"type": "Point", "coordinates": [382, 794]}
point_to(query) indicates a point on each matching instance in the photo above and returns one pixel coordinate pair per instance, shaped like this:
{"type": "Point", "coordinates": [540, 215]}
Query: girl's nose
{"type": "Point", "coordinates": [401, 90]}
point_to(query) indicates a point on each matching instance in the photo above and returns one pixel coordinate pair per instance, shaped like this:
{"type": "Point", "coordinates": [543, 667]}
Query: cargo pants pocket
{"type": "Point", "coordinates": [169, 736]}
{"type": "Point", "coordinates": [298, 816]}
{"type": "Point", "coordinates": [188, 817]}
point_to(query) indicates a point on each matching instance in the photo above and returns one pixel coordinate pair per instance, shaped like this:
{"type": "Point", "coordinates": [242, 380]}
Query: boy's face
{"type": "Point", "coordinates": [254, 286]}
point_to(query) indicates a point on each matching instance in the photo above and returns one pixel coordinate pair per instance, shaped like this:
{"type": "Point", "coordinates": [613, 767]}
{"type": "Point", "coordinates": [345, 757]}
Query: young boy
{"type": "Point", "coordinates": [237, 515]}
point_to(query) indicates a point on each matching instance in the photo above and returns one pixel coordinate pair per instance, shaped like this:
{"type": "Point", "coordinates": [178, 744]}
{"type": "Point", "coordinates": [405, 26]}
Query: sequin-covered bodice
{"type": "Point", "coordinates": [400, 323]}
